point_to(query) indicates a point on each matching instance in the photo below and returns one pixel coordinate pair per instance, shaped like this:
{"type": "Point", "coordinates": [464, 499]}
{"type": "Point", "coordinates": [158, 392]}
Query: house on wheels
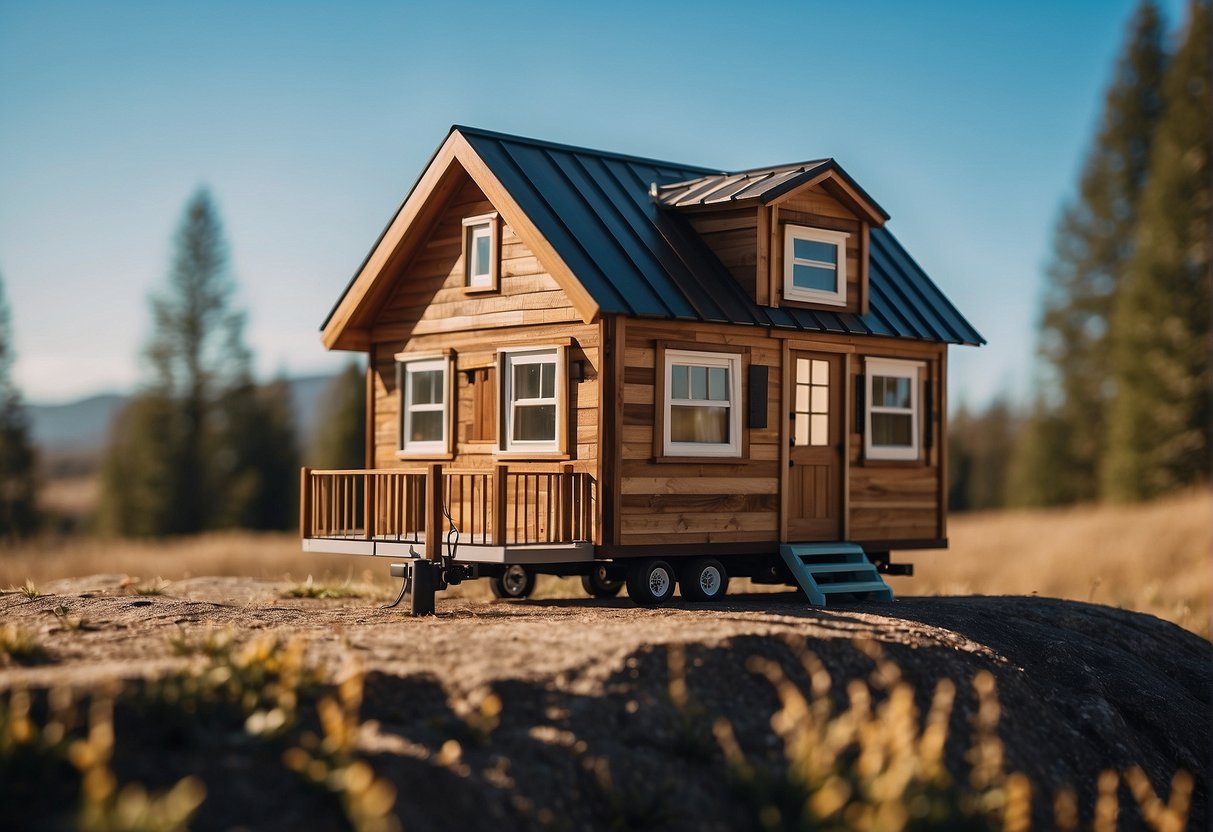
{"type": "Point", "coordinates": [641, 372]}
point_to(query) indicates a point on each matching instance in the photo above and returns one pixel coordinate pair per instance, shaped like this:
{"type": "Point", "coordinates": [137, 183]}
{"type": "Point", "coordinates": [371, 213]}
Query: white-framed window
{"type": "Point", "coordinates": [891, 428]}
{"type": "Point", "coordinates": [702, 404]}
{"type": "Point", "coordinates": [480, 251]}
{"type": "Point", "coordinates": [815, 265]}
{"type": "Point", "coordinates": [531, 396]}
{"type": "Point", "coordinates": [424, 385]}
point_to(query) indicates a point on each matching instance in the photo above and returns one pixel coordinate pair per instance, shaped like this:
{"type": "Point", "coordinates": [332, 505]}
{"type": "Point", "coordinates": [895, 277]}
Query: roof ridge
{"type": "Point", "coordinates": [494, 134]}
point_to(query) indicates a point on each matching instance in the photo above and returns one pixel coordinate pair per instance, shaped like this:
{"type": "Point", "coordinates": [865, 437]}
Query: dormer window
{"type": "Point", "coordinates": [815, 265]}
{"type": "Point", "coordinates": [480, 253]}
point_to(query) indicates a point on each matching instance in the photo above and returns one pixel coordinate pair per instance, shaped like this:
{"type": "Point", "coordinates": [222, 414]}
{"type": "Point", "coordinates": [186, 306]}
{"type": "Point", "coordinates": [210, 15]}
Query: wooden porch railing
{"type": "Point", "coordinates": [496, 506]}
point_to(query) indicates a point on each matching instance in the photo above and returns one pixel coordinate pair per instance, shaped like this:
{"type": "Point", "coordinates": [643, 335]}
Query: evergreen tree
{"type": "Point", "coordinates": [18, 487]}
{"type": "Point", "coordinates": [1091, 247]}
{"type": "Point", "coordinates": [200, 447]}
{"type": "Point", "coordinates": [979, 456]}
{"type": "Point", "coordinates": [340, 439]}
{"type": "Point", "coordinates": [1159, 422]}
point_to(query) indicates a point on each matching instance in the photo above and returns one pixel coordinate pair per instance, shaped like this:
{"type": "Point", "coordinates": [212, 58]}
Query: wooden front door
{"type": "Point", "coordinates": [815, 475]}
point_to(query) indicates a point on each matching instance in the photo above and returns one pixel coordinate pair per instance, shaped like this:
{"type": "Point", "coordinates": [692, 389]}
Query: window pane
{"type": "Point", "coordinates": [718, 384]}
{"type": "Point", "coordinates": [535, 423]}
{"type": "Point", "coordinates": [425, 426]}
{"type": "Point", "coordinates": [892, 430]}
{"type": "Point", "coordinates": [802, 429]}
{"type": "Point", "coordinates": [821, 400]}
{"type": "Point", "coordinates": [699, 424]}
{"type": "Point", "coordinates": [480, 251]}
{"type": "Point", "coordinates": [699, 383]}
{"type": "Point", "coordinates": [821, 372]}
{"type": "Point", "coordinates": [814, 277]}
{"type": "Point", "coordinates": [891, 391]}
{"type": "Point", "coordinates": [427, 387]}
{"type": "Point", "coordinates": [802, 398]}
{"type": "Point", "coordinates": [679, 382]}
{"type": "Point", "coordinates": [547, 387]}
{"type": "Point", "coordinates": [526, 381]}
{"type": "Point", "coordinates": [814, 250]}
{"type": "Point", "coordinates": [802, 370]}
{"type": "Point", "coordinates": [819, 430]}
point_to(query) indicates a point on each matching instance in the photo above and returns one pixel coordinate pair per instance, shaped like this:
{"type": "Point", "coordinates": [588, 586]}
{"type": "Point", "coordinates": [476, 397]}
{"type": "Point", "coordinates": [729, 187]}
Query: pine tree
{"type": "Point", "coordinates": [1091, 247]}
{"type": "Point", "coordinates": [18, 485]}
{"type": "Point", "coordinates": [160, 476]}
{"type": "Point", "coordinates": [1159, 422]}
{"type": "Point", "coordinates": [340, 440]}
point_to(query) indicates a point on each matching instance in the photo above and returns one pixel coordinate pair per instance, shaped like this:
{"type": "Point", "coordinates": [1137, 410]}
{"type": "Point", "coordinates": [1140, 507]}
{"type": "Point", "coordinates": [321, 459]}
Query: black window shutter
{"type": "Point", "coordinates": [928, 414]}
{"type": "Point", "coordinates": [860, 393]}
{"type": "Point", "coordinates": [757, 411]}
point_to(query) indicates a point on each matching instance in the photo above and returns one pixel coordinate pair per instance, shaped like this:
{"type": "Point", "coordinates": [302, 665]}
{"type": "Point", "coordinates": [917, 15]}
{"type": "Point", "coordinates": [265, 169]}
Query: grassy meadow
{"type": "Point", "coordinates": [1154, 558]}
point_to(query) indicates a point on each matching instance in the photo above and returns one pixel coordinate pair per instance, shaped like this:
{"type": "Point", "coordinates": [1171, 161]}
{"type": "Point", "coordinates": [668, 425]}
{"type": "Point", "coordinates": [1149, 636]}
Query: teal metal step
{"type": "Point", "coordinates": [807, 561]}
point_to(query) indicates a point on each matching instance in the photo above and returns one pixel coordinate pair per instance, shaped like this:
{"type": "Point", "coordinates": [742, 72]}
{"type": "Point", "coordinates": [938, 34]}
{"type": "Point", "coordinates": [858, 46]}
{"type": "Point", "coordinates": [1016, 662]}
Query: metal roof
{"type": "Point", "coordinates": [635, 255]}
{"type": "Point", "coordinates": [761, 184]}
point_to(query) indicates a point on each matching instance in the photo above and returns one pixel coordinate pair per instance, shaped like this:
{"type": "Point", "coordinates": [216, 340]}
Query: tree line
{"type": "Point", "coordinates": [1121, 410]}
{"type": "Point", "coordinates": [202, 445]}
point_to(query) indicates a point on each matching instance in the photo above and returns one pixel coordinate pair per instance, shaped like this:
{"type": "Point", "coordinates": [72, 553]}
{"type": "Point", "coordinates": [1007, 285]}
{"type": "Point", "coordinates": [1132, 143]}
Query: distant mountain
{"type": "Point", "coordinates": [83, 425]}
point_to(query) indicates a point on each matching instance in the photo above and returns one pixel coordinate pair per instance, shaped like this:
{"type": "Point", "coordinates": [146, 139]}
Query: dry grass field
{"type": "Point", "coordinates": [1153, 558]}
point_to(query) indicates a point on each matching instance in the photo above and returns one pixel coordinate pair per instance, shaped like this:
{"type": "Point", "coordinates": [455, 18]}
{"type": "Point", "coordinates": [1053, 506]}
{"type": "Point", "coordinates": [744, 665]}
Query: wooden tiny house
{"type": "Point", "coordinates": [584, 361]}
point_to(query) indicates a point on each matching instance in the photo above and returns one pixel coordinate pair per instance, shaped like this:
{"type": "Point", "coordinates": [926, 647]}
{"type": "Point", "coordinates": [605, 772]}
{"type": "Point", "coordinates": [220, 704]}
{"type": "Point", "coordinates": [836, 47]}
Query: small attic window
{"type": "Point", "coordinates": [815, 265]}
{"type": "Point", "coordinates": [480, 253]}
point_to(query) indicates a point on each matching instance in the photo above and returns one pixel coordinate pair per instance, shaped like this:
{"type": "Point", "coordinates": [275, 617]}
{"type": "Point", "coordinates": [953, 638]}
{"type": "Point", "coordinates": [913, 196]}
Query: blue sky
{"type": "Point", "coordinates": [309, 122]}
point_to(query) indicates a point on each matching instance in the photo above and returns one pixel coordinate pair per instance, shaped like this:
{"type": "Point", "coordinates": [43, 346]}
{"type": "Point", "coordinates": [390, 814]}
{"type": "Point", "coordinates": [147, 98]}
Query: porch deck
{"type": "Point", "coordinates": [504, 514]}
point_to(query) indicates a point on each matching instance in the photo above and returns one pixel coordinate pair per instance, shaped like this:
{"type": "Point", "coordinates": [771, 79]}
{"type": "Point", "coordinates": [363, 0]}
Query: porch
{"type": "Point", "coordinates": [530, 513]}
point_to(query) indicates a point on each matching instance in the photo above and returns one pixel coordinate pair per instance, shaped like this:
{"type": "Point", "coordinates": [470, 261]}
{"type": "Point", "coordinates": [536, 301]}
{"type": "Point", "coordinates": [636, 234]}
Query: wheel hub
{"type": "Point", "coordinates": [659, 582]}
{"type": "Point", "coordinates": [709, 581]}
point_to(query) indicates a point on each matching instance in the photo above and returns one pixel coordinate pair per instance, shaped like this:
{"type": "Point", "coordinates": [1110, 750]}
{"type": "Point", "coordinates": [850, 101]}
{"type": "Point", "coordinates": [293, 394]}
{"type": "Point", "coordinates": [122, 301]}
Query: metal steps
{"type": "Point", "coordinates": [831, 569]}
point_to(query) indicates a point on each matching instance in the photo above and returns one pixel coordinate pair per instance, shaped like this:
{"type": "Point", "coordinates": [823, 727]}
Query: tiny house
{"type": "Point", "coordinates": [642, 373]}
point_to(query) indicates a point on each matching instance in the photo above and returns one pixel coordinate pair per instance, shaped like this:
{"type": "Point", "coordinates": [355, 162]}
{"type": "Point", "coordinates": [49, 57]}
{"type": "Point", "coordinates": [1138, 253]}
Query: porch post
{"type": "Point", "coordinates": [305, 502]}
{"type": "Point", "coordinates": [433, 511]}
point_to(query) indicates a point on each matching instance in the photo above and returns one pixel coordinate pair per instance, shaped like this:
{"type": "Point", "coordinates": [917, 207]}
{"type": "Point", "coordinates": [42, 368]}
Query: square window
{"type": "Point", "coordinates": [530, 401]}
{"type": "Point", "coordinates": [424, 417]}
{"type": "Point", "coordinates": [815, 265]}
{"type": "Point", "coordinates": [892, 418]}
{"type": "Point", "coordinates": [702, 407]}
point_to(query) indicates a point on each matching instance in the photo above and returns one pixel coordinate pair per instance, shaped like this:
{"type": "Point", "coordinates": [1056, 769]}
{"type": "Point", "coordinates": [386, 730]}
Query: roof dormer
{"type": "Point", "coordinates": [793, 235]}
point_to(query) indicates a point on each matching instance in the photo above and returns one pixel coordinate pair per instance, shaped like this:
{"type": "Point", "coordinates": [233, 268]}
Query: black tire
{"type": "Point", "coordinates": [651, 582]}
{"type": "Point", "coordinates": [516, 582]}
{"type": "Point", "coordinates": [703, 579]}
{"type": "Point", "coordinates": [598, 584]}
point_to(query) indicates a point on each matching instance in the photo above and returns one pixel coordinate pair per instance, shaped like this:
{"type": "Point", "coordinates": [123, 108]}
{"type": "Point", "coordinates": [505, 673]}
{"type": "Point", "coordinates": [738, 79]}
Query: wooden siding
{"type": "Point", "coordinates": [732, 235]}
{"type": "Point", "coordinates": [430, 312]}
{"type": "Point", "coordinates": [674, 502]}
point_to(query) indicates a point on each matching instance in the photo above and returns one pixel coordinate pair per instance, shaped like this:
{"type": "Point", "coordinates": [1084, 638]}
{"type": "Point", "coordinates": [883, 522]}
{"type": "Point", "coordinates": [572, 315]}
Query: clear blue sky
{"type": "Point", "coordinates": [309, 122]}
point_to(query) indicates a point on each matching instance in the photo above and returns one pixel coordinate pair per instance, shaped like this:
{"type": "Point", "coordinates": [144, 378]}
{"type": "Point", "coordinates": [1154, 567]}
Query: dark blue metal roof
{"type": "Point", "coordinates": [635, 256]}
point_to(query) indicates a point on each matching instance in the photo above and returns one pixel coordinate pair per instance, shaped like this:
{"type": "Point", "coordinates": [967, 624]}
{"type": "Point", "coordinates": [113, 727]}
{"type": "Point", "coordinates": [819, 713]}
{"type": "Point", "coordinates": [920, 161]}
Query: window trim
{"type": "Point", "coordinates": [735, 363]}
{"type": "Point", "coordinates": [793, 232]}
{"type": "Point", "coordinates": [490, 220]}
{"type": "Point", "coordinates": [426, 449]}
{"type": "Point", "coordinates": [505, 445]}
{"type": "Point", "coordinates": [896, 368]}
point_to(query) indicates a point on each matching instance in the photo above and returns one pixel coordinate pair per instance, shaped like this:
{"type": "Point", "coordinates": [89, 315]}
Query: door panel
{"type": "Point", "coordinates": [815, 476]}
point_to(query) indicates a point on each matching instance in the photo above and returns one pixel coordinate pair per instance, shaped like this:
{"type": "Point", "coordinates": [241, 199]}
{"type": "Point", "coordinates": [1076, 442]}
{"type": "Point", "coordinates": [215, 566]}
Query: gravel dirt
{"type": "Point", "coordinates": [589, 736]}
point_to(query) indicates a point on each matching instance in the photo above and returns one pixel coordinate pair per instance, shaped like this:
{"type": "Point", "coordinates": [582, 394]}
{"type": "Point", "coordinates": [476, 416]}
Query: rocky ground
{"type": "Point", "coordinates": [574, 713]}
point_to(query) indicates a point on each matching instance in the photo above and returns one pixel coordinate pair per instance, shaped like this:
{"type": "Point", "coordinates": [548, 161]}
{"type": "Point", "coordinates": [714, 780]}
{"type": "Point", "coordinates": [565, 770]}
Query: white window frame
{"type": "Point", "coordinates": [473, 227]}
{"type": "Point", "coordinates": [894, 368]}
{"type": "Point", "coordinates": [695, 358]}
{"type": "Point", "coordinates": [407, 363]}
{"type": "Point", "coordinates": [507, 359]}
{"type": "Point", "coordinates": [791, 234]}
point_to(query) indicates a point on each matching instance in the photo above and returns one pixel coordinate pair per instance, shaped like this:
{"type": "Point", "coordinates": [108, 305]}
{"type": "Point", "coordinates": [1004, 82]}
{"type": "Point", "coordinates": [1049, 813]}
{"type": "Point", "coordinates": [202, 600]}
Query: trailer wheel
{"type": "Point", "coordinates": [703, 579]}
{"type": "Point", "coordinates": [598, 585]}
{"type": "Point", "coordinates": [650, 582]}
{"type": "Point", "coordinates": [516, 582]}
